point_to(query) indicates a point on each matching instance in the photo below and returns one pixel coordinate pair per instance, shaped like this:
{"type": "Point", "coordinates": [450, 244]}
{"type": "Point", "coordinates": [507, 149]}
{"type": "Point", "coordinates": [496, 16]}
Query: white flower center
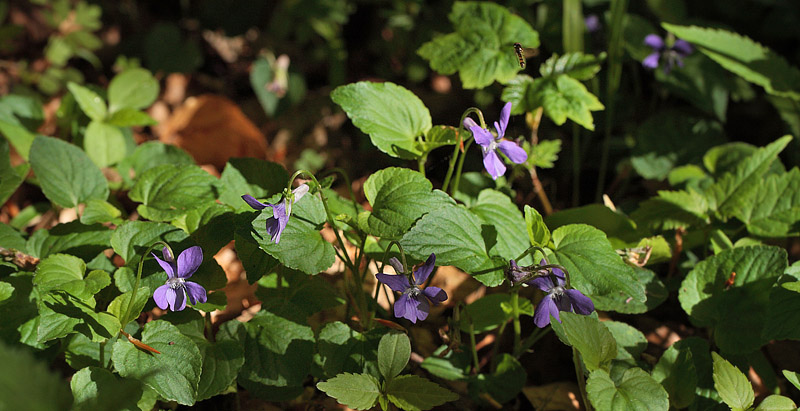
{"type": "Point", "coordinates": [175, 283]}
{"type": "Point", "coordinates": [558, 291]}
{"type": "Point", "coordinates": [413, 292]}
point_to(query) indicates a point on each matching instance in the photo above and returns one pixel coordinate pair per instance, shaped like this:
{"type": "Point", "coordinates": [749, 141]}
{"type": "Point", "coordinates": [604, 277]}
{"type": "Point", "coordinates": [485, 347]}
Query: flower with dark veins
{"type": "Point", "coordinates": [669, 56]}
{"type": "Point", "coordinates": [173, 293]}
{"type": "Point", "coordinates": [558, 298]}
{"type": "Point", "coordinates": [414, 303]}
{"type": "Point", "coordinates": [490, 144]}
{"type": "Point", "coordinates": [280, 211]}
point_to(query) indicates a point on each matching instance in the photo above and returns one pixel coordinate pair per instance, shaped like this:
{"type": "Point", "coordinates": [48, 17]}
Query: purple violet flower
{"type": "Point", "coordinates": [413, 304]}
{"type": "Point", "coordinates": [173, 293]}
{"type": "Point", "coordinates": [592, 23]}
{"type": "Point", "coordinates": [489, 144]}
{"type": "Point", "coordinates": [558, 298]}
{"type": "Point", "coordinates": [671, 56]}
{"type": "Point", "coordinates": [280, 211]}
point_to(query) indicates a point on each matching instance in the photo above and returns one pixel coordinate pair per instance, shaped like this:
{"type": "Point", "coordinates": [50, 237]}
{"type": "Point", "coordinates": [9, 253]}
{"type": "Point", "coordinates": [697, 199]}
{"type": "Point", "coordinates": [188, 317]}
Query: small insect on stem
{"type": "Point", "coordinates": [139, 344]}
{"type": "Point", "coordinates": [729, 281]}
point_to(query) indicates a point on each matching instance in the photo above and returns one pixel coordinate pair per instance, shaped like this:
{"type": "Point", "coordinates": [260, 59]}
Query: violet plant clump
{"type": "Point", "coordinates": [490, 144]}
{"type": "Point", "coordinates": [669, 57]}
{"type": "Point", "coordinates": [414, 303]}
{"type": "Point", "coordinates": [173, 293]}
{"type": "Point", "coordinates": [280, 211]}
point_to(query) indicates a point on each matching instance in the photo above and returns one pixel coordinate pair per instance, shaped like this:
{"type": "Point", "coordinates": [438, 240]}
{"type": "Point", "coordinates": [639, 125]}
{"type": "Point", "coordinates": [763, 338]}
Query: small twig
{"type": "Point", "coordinates": [676, 253]}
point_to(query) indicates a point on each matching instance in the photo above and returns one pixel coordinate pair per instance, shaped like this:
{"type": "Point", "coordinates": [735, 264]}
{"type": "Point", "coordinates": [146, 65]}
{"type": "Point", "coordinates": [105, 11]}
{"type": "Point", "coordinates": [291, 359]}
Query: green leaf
{"type": "Point", "coordinates": [481, 49]}
{"type": "Point", "coordinates": [129, 117]}
{"type": "Point", "coordinates": [455, 236]}
{"type": "Point", "coordinates": [394, 351]}
{"type": "Point", "coordinates": [453, 366]}
{"type": "Point", "coordinates": [676, 372]}
{"type": "Point", "coordinates": [67, 175]}
{"type": "Point", "coordinates": [149, 155]}
{"type": "Point", "coordinates": [542, 155]}
{"type": "Point", "coordinates": [63, 272]}
{"type": "Point", "coordinates": [777, 403]}
{"type": "Point", "coordinates": [342, 349]}
{"type": "Point", "coordinates": [259, 178]}
{"type": "Point", "coordinates": [615, 224]}
{"type": "Point", "coordinates": [119, 305]}
{"type": "Point", "coordinates": [98, 389]}
{"type": "Point", "coordinates": [134, 88]}
{"type": "Point", "coordinates": [703, 83]}
{"type": "Point", "coordinates": [744, 57]}
{"type": "Point", "coordinates": [173, 374]}
{"type": "Point", "coordinates": [222, 361]}
{"type": "Point", "coordinates": [589, 336]}
{"type": "Point", "coordinates": [504, 383]}
{"type": "Point", "coordinates": [92, 104]}
{"type": "Point", "coordinates": [6, 291]}
{"type": "Point", "coordinates": [9, 178]}
{"type": "Point", "coordinates": [672, 138]}
{"type": "Point", "coordinates": [731, 384]}
{"type": "Point", "coordinates": [357, 391]}
{"type": "Point", "coordinates": [391, 115]}
{"type": "Point", "coordinates": [705, 296]}
{"type": "Point", "coordinates": [84, 241]}
{"type": "Point", "coordinates": [132, 238]}
{"type": "Point", "coordinates": [99, 211]}
{"type": "Point", "coordinates": [82, 352]}
{"type": "Point", "coordinates": [28, 384]}
{"type": "Point", "coordinates": [438, 136]}
{"type": "Point", "coordinates": [594, 267]}
{"type": "Point", "coordinates": [104, 143]}
{"type": "Point", "coordinates": [631, 343]}
{"type": "Point", "coordinates": [635, 390]}
{"type": "Point", "coordinates": [399, 197]}
{"type": "Point", "coordinates": [734, 190]}
{"type": "Point", "coordinates": [792, 377]}
{"type": "Point", "coordinates": [302, 246]}
{"type": "Point", "coordinates": [300, 294]}
{"type": "Point", "coordinates": [564, 97]}
{"type": "Point", "coordinates": [774, 207]}
{"type": "Point", "coordinates": [576, 65]}
{"type": "Point", "coordinates": [508, 238]}
{"type": "Point", "coordinates": [673, 209]}
{"type": "Point", "coordinates": [278, 354]}
{"type": "Point", "coordinates": [538, 233]}
{"type": "Point", "coordinates": [488, 312]}
{"type": "Point", "coordinates": [169, 191]}
{"type": "Point", "coordinates": [18, 136]}
{"type": "Point", "coordinates": [411, 392]}
{"type": "Point", "coordinates": [11, 238]}
{"type": "Point", "coordinates": [62, 314]}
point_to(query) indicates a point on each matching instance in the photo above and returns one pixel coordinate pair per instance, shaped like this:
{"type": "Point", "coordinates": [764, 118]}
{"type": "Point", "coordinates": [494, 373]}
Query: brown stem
{"type": "Point", "coordinates": [539, 190]}
{"type": "Point", "coordinates": [23, 261]}
{"type": "Point", "coordinates": [676, 253]}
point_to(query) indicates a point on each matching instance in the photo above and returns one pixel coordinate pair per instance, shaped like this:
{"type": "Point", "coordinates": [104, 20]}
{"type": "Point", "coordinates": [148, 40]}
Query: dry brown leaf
{"type": "Point", "coordinates": [555, 396]}
{"type": "Point", "coordinates": [213, 129]}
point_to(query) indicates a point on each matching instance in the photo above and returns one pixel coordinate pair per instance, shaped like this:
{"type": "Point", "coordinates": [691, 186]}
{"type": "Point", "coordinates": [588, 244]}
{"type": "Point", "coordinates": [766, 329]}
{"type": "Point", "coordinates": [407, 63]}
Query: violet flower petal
{"type": "Point", "coordinates": [179, 302]}
{"type": "Point", "coordinates": [435, 294]}
{"type": "Point", "coordinates": [167, 267]}
{"type": "Point", "coordinates": [196, 292]}
{"type": "Point", "coordinates": [546, 308]}
{"type": "Point", "coordinates": [274, 229]}
{"type": "Point", "coordinates": [397, 265]}
{"type": "Point", "coordinates": [422, 309]}
{"type": "Point", "coordinates": [494, 166]}
{"type": "Point", "coordinates": [682, 47]}
{"type": "Point", "coordinates": [651, 61]}
{"type": "Point", "coordinates": [189, 260]}
{"type": "Point", "coordinates": [469, 123]}
{"type": "Point", "coordinates": [300, 191]}
{"type": "Point", "coordinates": [422, 273]}
{"type": "Point", "coordinates": [543, 283]}
{"type": "Point", "coordinates": [397, 283]}
{"type": "Point", "coordinates": [505, 114]}
{"type": "Point", "coordinates": [654, 41]}
{"type": "Point", "coordinates": [514, 152]}
{"type": "Point", "coordinates": [405, 307]}
{"type": "Point", "coordinates": [581, 304]}
{"type": "Point", "coordinates": [160, 296]}
{"type": "Point", "coordinates": [482, 136]}
{"type": "Point", "coordinates": [252, 202]}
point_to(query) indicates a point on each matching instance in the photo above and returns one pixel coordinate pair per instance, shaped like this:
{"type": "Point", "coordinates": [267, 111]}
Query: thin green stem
{"type": "Point", "coordinates": [459, 167]}
{"type": "Point", "coordinates": [528, 251]}
{"type": "Point", "coordinates": [103, 354]}
{"type": "Point", "coordinates": [343, 173]}
{"type": "Point", "coordinates": [496, 345]}
{"type": "Point", "coordinates": [461, 131]}
{"type": "Point", "coordinates": [421, 163]}
{"type": "Point", "coordinates": [581, 379]}
{"type": "Point", "coordinates": [127, 317]}
{"type": "Point", "coordinates": [531, 339]}
{"type": "Point", "coordinates": [515, 317]}
{"type": "Point", "coordinates": [473, 345]}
